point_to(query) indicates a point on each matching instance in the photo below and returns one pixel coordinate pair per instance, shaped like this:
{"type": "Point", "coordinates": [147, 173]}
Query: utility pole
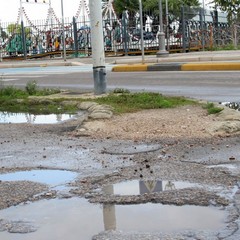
{"type": "Point", "coordinates": [161, 36]}
{"type": "Point", "coordinates": [98, 53]}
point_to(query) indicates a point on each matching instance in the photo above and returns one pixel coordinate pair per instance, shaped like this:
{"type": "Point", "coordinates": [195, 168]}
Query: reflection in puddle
{"type": "Point", "coordinates": [232, 105]}
{"type": "Point", "coordinates": [50, 177]}
{"type": "Point", "coordinates": [136, 187]}
{"type": "Point", "coordinates": [6, 117]}
{"type": "Point", "coordinates": [75, 219]}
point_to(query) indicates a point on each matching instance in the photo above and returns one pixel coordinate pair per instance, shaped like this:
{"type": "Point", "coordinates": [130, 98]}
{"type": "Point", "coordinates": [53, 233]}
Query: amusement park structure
{"type": "Point", "coordinates": [27, 38]}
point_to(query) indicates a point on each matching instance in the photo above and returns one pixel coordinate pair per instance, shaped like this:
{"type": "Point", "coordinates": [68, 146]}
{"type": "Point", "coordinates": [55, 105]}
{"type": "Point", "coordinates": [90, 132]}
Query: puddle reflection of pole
{"type": "Point", "coordinates": [109, 214]}
{"type": "Point", "coordinates": [59, 117]}
{"type": "Point", "coordinates": [30, 118]}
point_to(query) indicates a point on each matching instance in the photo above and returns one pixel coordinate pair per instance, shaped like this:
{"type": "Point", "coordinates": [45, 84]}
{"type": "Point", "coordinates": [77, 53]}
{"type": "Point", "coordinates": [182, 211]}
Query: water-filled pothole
{"type": "Point", "coordinates": [75, 219]}
{"type": "Point", "coordinates": [49, 177]}
{"type": "Point", "coordinates": [136, 187]}
{"type": "Point", "coordinates": [6, 117]}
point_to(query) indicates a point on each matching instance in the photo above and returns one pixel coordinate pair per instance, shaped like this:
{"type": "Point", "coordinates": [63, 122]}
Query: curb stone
{"type": "Point", "coordinates": [187, 66]}
{"type": "Point", "coordinates": [95, 111]}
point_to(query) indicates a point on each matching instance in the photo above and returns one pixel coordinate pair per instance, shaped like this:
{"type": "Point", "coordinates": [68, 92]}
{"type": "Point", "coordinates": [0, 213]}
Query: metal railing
{"type": "Point", "coordinates": [194, 30]}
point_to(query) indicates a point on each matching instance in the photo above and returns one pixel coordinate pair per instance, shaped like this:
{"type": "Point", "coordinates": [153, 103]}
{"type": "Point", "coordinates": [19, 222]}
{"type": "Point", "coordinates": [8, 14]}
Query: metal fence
{"type": "Point", "coordinates": [195, 29]}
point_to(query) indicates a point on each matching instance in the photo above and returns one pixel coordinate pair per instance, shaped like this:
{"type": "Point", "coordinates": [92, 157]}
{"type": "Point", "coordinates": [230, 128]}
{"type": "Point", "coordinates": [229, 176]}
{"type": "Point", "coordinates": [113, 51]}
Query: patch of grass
{"type": "Point", "coordinates": [16, 100]}
{"type": "Point", "coordinates": [11, 92]}
{"type": "Point", "coordinates": [132, 102]}
{"type": "Point", "coordinates": [36, 107]}
{"type": "Point", "coordinates": [225, 47]}
{"type": "Point", "coordinates": [212, 109]}
{"type": "Point", "coordinates": [33, 90]}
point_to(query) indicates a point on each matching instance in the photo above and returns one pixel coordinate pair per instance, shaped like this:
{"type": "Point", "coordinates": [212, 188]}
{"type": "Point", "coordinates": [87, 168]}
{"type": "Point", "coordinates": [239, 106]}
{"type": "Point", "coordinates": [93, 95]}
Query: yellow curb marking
{"type": "Point", "coordinates": [130, 68]}
{"type": "Point", "coordinates": [210, 66]}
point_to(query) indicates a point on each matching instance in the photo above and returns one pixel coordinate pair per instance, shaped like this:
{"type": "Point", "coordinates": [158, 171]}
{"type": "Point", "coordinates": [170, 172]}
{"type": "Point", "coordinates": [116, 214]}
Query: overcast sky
{"type": "Point", "coordinates": [35, 11]}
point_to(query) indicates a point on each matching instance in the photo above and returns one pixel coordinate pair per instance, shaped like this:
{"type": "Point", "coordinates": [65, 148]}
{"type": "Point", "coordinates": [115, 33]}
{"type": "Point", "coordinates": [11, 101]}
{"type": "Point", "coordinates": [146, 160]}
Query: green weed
{"type": "Point", "coordinates": [211, 108]}
{"type": "Point", "coordinates": [132, 102]}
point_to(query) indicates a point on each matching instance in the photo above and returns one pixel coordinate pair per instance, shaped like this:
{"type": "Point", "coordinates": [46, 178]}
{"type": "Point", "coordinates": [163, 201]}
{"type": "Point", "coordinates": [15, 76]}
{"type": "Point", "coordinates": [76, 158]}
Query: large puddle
{"type": "Point", "coordinates": [76, 218]}
{"type": "Point", "coordinates": [6, 117]}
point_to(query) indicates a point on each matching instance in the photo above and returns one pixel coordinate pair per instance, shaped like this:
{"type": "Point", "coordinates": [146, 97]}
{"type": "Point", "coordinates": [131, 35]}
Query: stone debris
{"type": "Point", "coordinates": [22, 227]}
{"type": "Point", "coordinates": [228, 122]}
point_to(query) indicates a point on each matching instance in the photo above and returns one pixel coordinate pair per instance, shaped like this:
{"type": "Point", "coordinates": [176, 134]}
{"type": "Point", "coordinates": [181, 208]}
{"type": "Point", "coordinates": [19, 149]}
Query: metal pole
{"type": "Point", "coordinates": [203, 25]}
{"type": "Point", "coordinates": [183, 29]}
{"type": "Point", "coordinates": [1, 41]}
{"type": "Point", "coordinates": [75, 37]}
{"type": "Point", "coordinates": [97, 43]}
{"type": "Point", "coordinates": [64, 46]}
{"type": "Point", "coordinates": [23, 32]}
{"type": "Point", "coordinates": [125, 35]}
{"type": "Point", "coordinates": [23, 40]}
{"type": "Point", "coordinates": [161, 36]}
{"type": "Point", "coordinates": [141, 27]}
{"type": "Point", "coordinates": [167, 24]}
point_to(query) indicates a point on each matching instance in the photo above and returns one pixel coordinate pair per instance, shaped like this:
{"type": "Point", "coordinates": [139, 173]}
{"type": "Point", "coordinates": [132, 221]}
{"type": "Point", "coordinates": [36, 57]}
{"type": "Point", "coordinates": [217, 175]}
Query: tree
{"type": "Point", "coordinates": [151, 8]}
{"type": "Point", "coordinates": [122, 5]}
{"type": "Point", "coordinates": [232, 7]}
{"type": "Point", "coordinates": [15, 42]}
{"type": "Point", "coordinates": [16, 29]}
{"type": "Point", "coordinates": [132, 6]}
{"type": "Point", "coordinates": [174, 7]}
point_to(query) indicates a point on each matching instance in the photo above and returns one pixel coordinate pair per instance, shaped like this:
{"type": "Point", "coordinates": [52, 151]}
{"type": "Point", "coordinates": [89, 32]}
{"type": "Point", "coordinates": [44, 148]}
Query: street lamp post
{"type": "Point", "coordinates": [161, 36]}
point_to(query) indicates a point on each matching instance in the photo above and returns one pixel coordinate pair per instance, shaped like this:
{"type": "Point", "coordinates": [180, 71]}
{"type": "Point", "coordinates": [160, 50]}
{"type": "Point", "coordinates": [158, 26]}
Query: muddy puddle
{"type": "Point", "coordinates": [76, 218]}
{"type": "Point", "coordinates": [136, 187]}
{"type": "Point", "coordinates": [6, 117]}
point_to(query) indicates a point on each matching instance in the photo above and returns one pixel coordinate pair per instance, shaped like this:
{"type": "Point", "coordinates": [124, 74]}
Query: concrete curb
{"type": "Point", "coordinates": [214, 66]}
{"type": "Point", "coordinates": [203, 66]}
{"type": "Point", "coordinates": [39, 64]}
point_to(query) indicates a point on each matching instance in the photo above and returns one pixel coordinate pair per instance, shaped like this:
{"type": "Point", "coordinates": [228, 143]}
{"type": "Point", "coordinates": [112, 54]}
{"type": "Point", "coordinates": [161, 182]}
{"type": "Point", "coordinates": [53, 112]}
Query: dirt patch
{"type": "Point", "coordinates": [182, 122]}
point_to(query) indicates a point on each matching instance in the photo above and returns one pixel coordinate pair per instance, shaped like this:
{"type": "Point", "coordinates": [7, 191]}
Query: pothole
{"type": "Point", "coordinates": [76, 218]}
{"type": "Point", "coordinates": [132, 149]}
{"type": "Point", "coordinates": [6, 117]}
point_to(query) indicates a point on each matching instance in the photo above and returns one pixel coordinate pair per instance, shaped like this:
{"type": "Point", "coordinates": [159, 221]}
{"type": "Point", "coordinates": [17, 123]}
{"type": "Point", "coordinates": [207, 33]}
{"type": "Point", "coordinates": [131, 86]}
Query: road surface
{"type": "Point", "coordinates": [216, 86]}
